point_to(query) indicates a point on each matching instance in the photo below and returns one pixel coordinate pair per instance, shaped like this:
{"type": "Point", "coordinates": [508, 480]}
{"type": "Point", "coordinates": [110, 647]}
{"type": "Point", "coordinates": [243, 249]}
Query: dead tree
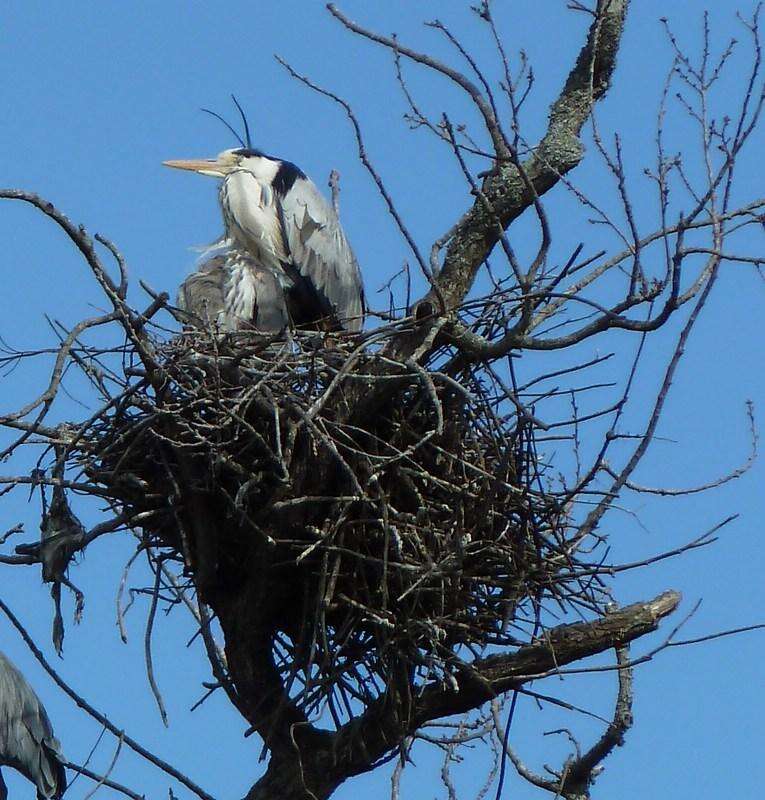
{"type": "Point", "coordinates": [371, 521]}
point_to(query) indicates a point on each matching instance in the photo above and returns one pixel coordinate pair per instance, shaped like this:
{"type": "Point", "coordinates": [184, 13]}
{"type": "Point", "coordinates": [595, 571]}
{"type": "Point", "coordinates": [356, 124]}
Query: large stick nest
{"type": "Point", "coordinates": [376, 533]}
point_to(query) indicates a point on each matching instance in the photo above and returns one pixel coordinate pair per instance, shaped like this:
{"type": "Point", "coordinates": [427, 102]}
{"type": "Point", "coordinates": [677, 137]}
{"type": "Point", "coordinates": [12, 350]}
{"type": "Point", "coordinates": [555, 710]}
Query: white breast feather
{"type": "Point", "coordinates": [240, 296]}
{"type": "Point", "coordinates": [249, 206]}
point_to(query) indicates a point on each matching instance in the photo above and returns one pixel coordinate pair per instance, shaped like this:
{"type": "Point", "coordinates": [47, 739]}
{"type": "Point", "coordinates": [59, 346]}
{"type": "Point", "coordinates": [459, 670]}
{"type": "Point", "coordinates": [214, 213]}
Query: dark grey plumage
{"type": "Point", "coordinates": [27, 743]}
{"type": "Point", "coordinates": [201, 294]}
{"type": "Point", "coordinates": [62, 535]}
{"type": "Point", "coordinates": [232, 291]}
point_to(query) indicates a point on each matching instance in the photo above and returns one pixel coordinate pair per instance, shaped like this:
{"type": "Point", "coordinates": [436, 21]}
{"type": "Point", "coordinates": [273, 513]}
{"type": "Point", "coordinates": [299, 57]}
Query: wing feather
{"type": "Point", "coordinates": [321, 253]}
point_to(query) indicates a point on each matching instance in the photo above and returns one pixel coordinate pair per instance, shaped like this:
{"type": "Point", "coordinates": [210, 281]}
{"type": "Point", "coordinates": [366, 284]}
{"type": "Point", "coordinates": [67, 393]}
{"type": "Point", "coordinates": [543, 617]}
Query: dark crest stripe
{"type": "Point", "coordinates": [285, 178]}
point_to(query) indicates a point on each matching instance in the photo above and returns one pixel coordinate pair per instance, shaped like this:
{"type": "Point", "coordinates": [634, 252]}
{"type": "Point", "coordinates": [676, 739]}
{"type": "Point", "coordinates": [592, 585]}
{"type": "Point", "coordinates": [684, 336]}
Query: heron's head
{"type": "Point", "coordinates": [229, 161]}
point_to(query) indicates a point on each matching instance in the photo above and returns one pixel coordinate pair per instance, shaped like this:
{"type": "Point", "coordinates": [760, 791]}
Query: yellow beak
{"type": "Point", "coordinates": [204, 166]}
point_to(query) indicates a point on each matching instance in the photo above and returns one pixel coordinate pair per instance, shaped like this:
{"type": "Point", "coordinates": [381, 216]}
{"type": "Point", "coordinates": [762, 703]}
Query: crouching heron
{"type": "Point", "coordinates": [27, 742]}
{"type": "Point", "coordinates": [232, 291]}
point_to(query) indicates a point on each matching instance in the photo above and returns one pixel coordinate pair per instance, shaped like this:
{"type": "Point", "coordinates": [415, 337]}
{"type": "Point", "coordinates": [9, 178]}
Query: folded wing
{"type": "Point", "coordinates": [319, 251]}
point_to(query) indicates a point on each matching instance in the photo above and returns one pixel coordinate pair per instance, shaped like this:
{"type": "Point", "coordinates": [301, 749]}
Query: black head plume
{"type": "Point", "coordinates": [247, 141]}
{"type": "Point", "coordinates": [247, 137]}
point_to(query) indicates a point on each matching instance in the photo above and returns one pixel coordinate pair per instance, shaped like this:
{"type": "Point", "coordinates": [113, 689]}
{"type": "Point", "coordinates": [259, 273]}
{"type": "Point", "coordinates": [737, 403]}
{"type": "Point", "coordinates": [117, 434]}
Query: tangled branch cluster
{"type": "Point", "coordinates": [386, 539]}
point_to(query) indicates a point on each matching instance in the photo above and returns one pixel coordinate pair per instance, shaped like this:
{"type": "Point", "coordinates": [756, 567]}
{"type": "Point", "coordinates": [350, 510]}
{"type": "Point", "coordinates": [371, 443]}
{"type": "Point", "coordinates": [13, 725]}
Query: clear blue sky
{"type": "Point", "coordinates": [96, 95]}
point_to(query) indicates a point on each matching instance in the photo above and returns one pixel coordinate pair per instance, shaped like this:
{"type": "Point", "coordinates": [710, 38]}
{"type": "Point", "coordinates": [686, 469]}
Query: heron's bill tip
{"type": "Point", "coordinates": [193, 164]}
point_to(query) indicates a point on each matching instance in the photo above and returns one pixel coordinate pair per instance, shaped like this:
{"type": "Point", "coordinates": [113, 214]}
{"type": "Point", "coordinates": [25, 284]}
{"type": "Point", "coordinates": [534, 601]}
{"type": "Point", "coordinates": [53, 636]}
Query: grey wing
{"type": "Point", "coordinates": [321, 253]}
{"type": "Point", "coordinates": [27, 742]}
{"type": "Point", "coordinates": [201, 295]}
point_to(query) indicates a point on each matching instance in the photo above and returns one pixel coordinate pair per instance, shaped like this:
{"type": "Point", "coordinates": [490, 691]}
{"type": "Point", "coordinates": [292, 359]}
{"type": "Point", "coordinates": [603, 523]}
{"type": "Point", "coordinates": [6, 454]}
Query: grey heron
{"type": "Point", "coordinates": [27, 742]}
{"type": "Point", "coordinates": [274, 212]}
{"type": "Point", "coordinates": [232, 291]}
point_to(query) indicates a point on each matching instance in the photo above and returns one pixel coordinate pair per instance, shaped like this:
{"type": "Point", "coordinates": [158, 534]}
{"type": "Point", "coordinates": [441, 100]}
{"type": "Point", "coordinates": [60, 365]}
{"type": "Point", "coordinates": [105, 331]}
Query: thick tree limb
{"type": "Point", "coordinates": [563, 645]}
{"type": "Point", "coordinates": [317, 769]}
{"type": "Point", "coordinates": [513, 186]}
{"type": "Point", "coordinates": [559, 152]}
{"type": "Point", "coordinates": [365, 740]}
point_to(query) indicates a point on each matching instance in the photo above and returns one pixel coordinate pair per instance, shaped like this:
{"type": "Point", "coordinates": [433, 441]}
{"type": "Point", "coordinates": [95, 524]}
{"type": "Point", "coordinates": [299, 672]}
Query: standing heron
{"type": "Point", "coordinates": [276, 214]}
{"type": "Point", "coordinates": [27, 742]}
